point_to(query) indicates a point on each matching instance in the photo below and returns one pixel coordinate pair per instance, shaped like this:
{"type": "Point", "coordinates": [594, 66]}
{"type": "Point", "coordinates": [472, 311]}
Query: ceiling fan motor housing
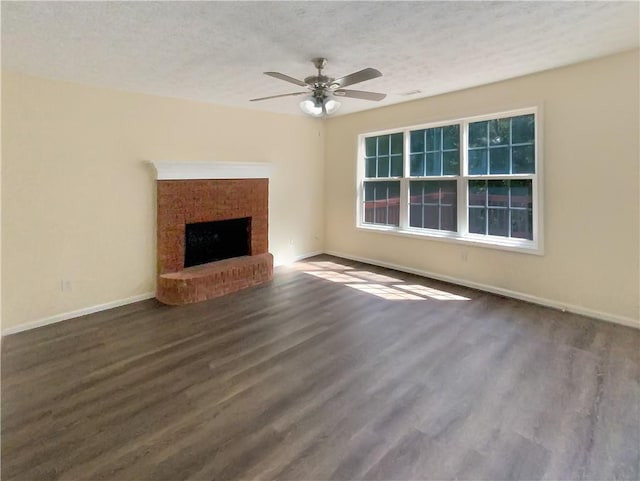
{"type": "Point", "coordinates": [318, 80]}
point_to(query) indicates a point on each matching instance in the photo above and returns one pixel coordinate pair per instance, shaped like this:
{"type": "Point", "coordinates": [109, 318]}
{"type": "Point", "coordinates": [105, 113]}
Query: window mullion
{"type": "Point", "coordinates": [404, 202]}
{"type": "Point", "coordinates": [509, 209]}
{"type": "Point", "coordinates": [486, 209]}
{"type": "Point", "coordinates": [463, 210]}
{"type": "Point", "coordinates": [404, 182]}
{"type": "Point", "coordinates": [440, 207]}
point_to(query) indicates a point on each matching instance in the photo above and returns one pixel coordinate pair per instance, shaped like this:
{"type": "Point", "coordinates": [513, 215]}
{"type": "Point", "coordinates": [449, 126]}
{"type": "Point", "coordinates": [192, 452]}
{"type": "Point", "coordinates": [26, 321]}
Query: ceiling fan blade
{"type": "Point", "coordinates": [356, 77]}
{"type": "Point", "coordinates": [286, 78]}
{"type": "Point", "coordinates": [360, 94]}
{"type": "Point", "coordinates": [276, 96]}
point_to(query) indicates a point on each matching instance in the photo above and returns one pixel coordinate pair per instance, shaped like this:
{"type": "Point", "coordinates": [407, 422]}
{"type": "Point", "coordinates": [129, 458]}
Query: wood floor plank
{"type": "Point", "coordinates": [330, 371]}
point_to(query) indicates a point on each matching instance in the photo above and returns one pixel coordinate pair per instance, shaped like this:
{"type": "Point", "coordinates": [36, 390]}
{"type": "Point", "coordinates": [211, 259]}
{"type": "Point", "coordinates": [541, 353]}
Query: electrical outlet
{"type": "Point", "coordinates": [65, 285]}
{"type": "Point", "coordinates": [464, 255]}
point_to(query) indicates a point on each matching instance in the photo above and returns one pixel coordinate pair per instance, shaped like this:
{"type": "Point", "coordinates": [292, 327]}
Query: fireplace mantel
{"type": "Point", "coordinates": [172, 170]}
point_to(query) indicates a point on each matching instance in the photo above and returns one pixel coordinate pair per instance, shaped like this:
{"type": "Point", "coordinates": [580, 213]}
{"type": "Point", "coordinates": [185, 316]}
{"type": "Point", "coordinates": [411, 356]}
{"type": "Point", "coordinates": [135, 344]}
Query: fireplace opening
{"type": "Point", "coordinates": [213, 241]}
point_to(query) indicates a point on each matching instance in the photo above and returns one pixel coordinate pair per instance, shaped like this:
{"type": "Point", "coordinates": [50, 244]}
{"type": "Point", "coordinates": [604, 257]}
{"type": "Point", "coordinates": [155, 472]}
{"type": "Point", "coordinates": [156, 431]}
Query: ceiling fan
{"type": "Point", "coordinates": [322, 89]}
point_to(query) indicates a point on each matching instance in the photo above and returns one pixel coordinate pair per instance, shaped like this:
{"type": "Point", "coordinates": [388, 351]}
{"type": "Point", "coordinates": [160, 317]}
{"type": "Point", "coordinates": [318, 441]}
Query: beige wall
{"type": "Point", "coordinates": [78, 201]}
{"type": "Point", "coordinates": [591, 210]}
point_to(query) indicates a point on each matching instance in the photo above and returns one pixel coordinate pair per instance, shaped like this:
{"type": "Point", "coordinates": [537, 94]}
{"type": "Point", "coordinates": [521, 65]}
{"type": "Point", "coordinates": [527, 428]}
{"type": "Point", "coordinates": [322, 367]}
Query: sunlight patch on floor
{"type": "Point", "coordinates": [431, 292]}
{"type": "Point", "coordinates": [334, 276]}
{"type": "Point", "coordinates": [386, 292]}
{"type": "Point", "coordinates": [373, 277]}
{"type": "Point", "coordinates": [379, 285]}
{"type": "Point", "coordinates": [320, 266]}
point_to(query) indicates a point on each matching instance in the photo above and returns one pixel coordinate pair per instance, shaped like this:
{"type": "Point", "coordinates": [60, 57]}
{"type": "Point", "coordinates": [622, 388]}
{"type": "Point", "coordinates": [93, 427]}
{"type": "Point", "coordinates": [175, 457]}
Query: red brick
{"type": "Point", "coordinates": [185, 201]}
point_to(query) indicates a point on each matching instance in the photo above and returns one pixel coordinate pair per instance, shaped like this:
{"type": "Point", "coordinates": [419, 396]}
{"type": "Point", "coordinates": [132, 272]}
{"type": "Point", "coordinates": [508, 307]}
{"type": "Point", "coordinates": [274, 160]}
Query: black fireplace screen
{"type": "Point", "coordinates": [214, 241]}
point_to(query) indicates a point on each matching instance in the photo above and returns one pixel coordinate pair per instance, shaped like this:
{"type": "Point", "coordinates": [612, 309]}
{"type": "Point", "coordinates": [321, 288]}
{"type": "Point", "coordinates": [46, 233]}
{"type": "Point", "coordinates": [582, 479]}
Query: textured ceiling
{"type": "Point", "coordinates": [216, 51]}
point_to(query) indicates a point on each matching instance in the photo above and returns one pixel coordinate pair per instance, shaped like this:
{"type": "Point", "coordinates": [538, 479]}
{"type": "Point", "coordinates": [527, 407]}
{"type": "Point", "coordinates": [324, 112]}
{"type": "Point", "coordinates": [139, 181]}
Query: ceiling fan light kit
{"type": "Point", "coordinates": [318, 107]}
{"type": "Point", "coordinates": [320, 101]}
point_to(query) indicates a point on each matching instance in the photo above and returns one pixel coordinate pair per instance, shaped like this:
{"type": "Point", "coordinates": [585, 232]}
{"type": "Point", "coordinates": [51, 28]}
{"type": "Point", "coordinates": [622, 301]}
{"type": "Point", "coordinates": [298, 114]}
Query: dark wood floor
{"type": "Point", "coordinates": [316, 376]}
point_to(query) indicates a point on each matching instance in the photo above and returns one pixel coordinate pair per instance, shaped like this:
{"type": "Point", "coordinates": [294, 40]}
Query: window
{"type": "Point", "coordinates": [384, 158]}
{"type": "Point", "coordinates": [470, 180]}
{"type": "Point", "coordinates": [432, 204]}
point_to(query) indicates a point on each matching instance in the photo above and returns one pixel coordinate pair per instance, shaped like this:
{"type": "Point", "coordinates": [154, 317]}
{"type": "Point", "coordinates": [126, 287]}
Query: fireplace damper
{"type": "Point", "coordinates": [213, 241]}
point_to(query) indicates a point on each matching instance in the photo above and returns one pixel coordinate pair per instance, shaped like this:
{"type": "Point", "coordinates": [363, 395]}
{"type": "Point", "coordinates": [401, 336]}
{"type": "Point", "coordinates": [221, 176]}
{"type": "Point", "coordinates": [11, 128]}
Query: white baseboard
{"type": "Point", "coordinates": [77, 313]}
{"type": "Point", "coordinates": [625, 321]}
{"type": "Point", "coordinates": [297, 258]}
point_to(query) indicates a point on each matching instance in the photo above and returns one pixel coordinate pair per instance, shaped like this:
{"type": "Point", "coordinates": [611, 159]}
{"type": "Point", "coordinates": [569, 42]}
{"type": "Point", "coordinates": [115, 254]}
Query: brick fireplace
{"type": "Point", "coordinates": [183, 200]}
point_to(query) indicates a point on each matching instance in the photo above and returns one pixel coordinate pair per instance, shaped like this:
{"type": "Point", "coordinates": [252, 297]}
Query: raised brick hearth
{"type": "Point", "coordinates": [182, 202]}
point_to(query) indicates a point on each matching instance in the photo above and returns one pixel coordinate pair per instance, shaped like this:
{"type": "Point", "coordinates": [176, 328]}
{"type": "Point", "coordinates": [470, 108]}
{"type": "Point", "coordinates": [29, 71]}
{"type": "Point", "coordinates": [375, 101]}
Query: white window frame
{"type": "Point", "coordinates": [462, 236]}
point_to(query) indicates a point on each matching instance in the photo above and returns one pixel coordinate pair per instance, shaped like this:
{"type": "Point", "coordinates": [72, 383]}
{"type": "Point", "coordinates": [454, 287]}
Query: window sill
{"type": "Point", "coordinates": [512, 245]}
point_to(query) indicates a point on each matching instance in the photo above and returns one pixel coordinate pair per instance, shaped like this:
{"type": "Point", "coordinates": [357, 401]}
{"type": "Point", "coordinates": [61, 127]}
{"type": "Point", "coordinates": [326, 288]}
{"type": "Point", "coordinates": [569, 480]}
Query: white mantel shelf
{"type": "Point", "coordinates": [171, 170]}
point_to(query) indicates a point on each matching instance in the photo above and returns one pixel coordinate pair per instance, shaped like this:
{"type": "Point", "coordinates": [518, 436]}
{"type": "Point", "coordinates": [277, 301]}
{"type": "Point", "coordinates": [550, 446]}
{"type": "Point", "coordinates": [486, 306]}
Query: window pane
{"type": "Point", "coordinates": [417, 164]}
{"type": "Point", "coordinates": [370, 146]}
{"type": "Point", "coordinates": [448, 192]}
{"type": "Point", "coordinates": [451, 137]}
{"type": "Point", "coordinates": [396, 166]}
{"type": "Point", "coordinates": [433, 164]}
{"type": "Point", "coordinates": [430, 219]}
{"type": "Point", "coordinates": [477, 220]}
{"type": "Point", "coordinates": [383, 145]}
{"type": "Point", "coordinates": [498, 193]}
{"type": "Point", "coordinates": [509, 212]}
{"type": "Point", "coordinates": [433, 204]}
{"type": "Point", "coordinates": [369, 191]}
{"type": "Point", "coordinates": [499, 132]}
{"type": "Point", "coordinates": [417, 141]}
{"type": "Point", "coordinates": [522, 224]}
{"type": "Point", "coordinates": [394, 203]}
{"type": "Point", "coordinates": [369, 204]}
{"type": "Point", "coordinates": [451, 163]}
{"type": "Point", "coordinates": [449, 218]}
{"type": "Point", "coordinates": [498, 222]}
{"type": "Point", "coordinates": [380, 191]}
{"type": "Point", "coordinates": [499, 160]}
{"type": "Point", "coordinates": [415, 215]}
{"type": "Point", "coordinates": [440, 145]}
{"type": "Point", "coordinates": [378, 162]}
{"type": "Point", "coordinates": [370, 167]}
{"type": "Point", "coordinates": [478, 192]}
{"type": "Point", "coordinates": [478, 134]}
{"type": "Point", "coordinates": [523, 159]}
{"type": "Point", "coordinates": [511, 146]}
{"type": "Point", "coordinates": [368, 214]}
{"type": "Point", "coordinates": [523, 128]}
{"type": "Point", "coordinates": [433, 139]}
{"type": "Point", "coordinates": [382, 203]}
{"type": "Point", "coordinates": [394, 191]}
{"type": "Point", "coordinates": [431, 192]}
{"type": "Point", "coordinates": [396, 144]}
{"type": "Point", "coordinates": [521, 193]}
{"type": "Point", "coordinates": [415, 192]}
{"type": "Point", "coordinates": [477, 162]}
{"type": "Point", "coordinates": [383, 166]}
